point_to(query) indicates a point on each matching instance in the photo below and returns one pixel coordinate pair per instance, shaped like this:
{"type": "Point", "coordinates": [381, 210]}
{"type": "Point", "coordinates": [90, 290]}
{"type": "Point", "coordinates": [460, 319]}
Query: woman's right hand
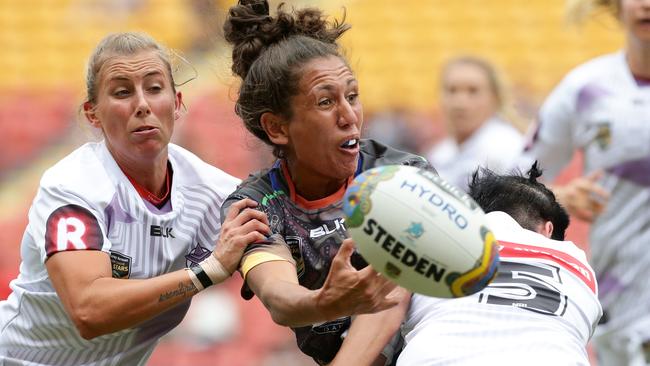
{"type": "Point", "coordinates": [243, 225]}
{"type": "Point", "coordinates": [348, 291]}
{"type": "Point", "coordinates": [583, 197]}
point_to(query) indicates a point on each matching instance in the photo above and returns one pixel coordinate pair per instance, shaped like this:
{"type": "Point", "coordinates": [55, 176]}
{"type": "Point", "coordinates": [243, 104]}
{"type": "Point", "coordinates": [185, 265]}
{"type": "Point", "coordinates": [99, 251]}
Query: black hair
{"type": "Point", "coordinates": [268, 54]}
{"type": "Point", "coordinates": [528, 201]}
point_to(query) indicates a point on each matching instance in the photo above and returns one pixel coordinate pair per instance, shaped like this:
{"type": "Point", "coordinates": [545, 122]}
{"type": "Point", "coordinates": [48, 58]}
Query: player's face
{"type": "Point", "coordinates": [136, 107]}
{"type": "Point", "coordinates": [467, 99]}
{"type": "Point", "coordinates": [635, 16]}
{"type": "Point", "coordinates": [324, 131]}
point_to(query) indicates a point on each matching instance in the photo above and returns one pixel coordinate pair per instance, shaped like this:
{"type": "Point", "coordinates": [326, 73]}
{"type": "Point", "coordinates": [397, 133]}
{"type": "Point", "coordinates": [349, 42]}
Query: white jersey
{"type": "Point", "coordinates": [85, 202]}
{"type": "Point", "coordinates": [541, 309]}
{"type": "Point", "coordinates": [495, 145]}
{"type": "Point", "coordinates": [602, 110]}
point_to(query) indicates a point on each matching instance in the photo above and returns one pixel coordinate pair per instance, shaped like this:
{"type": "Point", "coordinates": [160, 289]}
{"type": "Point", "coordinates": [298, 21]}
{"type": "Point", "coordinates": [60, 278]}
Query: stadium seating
{"type": "Point", "coordinates": [397, 48]}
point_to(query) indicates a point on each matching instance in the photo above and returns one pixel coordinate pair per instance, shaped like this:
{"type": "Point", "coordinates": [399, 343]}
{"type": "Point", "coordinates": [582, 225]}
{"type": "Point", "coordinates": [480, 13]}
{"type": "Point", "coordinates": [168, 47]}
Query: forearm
{"type": "Point", "coordinates": [275, 283]}
{"type": "Point", "coordinates": [291, 305]}
{"type": "Point", "coordinates": [370, 333]}
{"type": "Point", "coordinates": [346, 291]}
{"type": "Point", "coordinates": [109, 305]}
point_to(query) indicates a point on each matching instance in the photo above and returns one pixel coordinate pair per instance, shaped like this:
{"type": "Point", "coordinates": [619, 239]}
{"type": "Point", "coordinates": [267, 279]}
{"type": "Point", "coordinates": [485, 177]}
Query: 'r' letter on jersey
{"type": "Point", "coordinates": [72, 227]}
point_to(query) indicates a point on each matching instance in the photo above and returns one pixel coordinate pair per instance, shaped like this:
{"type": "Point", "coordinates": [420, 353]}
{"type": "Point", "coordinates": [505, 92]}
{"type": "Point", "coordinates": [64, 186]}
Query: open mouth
{"type": "Point", "coordinates": [350, 144]}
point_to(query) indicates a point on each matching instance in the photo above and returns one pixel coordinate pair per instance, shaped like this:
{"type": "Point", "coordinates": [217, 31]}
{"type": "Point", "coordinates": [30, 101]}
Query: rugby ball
{"type": "Point", "coordinates": [420, 231]}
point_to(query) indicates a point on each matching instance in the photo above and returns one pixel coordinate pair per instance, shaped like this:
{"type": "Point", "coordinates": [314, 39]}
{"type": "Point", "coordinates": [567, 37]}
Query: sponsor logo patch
{"type": "Point", "coordinates": [295, 244]}
{"type": "Point", "coordinates": [121, 265]}
{"type": "Point", "coordinates": [415, 230]}
{"type": "Point", "coordinates": [165, 232]}
{"type": "Point", "coordinates": [603, 135]}
{"type": "Point", "coordinates": [72, 227]}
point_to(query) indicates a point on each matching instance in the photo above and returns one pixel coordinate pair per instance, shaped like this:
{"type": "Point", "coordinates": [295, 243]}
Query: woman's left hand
{"type": "Point", "coordinates": [244, 225]}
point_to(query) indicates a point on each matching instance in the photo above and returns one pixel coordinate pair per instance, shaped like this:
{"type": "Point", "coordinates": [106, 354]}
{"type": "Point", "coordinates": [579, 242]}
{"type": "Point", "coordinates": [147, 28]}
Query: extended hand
{"type": "Point", "coordinates": [348, 291]}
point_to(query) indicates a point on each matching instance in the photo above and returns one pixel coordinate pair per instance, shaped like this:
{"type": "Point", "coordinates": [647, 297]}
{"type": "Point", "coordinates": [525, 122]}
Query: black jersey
{"type": "Point", "coordinates": [313, 232]}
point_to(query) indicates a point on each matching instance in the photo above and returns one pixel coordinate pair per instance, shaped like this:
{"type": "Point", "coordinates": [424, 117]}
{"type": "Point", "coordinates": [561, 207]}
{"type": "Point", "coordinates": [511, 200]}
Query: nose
{"type": "Point", "coordinates": [347, 115]}
{"type": "Point", "coordinates": [142, 108]}
{"type": "Point", "coordinates": [458, 100]}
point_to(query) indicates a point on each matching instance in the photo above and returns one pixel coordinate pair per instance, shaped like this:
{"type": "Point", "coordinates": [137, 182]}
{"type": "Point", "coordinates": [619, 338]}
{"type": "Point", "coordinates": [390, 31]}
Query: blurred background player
{"type": "Point", "coordinates": [299, 95]}
{"type": "Point", "coordinates": [601, 108]}
{"type": "Point", "coordinates": [115, 224]}
{"type": "Point", "coordinates": [542, 307]}
{"type": "Point", "coordinates": [476, 110]}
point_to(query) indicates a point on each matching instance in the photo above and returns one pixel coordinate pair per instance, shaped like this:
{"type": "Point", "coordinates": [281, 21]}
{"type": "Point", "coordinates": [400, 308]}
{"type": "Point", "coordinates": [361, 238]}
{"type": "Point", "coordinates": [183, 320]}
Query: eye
{"type": "Point", "coordinates": [353, 97]}
{"type": "Point", "coordinates": [121, 93]}
{"type": "Point", "coordinates": [155, 88]}
{"type": "Point", "coordinates": [324, 102]}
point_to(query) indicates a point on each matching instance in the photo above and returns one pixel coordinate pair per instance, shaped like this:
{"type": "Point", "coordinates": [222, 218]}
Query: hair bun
{"type": "Point", "coordinates": [260, 7]}
{"type": "Point", "coordinates": [534, 172]}
{"type": "Point", "coordinates": [251, 30]}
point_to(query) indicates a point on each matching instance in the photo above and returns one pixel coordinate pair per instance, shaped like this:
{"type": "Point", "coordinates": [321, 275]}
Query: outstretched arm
{"type": "Point", "coordinates": [346, 291]}
{"type": "Point", "coordinates": [99, 304]}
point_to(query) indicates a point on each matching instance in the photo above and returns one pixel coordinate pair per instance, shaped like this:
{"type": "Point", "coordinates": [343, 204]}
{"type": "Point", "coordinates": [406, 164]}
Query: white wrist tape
{"type": "Point", "coordinates": [214, 269]}
{"type": "Point", "coordinates": [195, 279]}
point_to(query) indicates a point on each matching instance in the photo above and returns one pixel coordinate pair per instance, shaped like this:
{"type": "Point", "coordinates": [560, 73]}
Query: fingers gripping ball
{"type": "Point", "coordinates": [420, 231]}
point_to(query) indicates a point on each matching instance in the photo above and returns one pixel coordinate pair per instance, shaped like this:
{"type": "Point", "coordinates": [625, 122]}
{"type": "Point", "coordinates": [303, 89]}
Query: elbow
{"type": "Point", "coordinates": [282, 319]}
{"type": "Point", "coordinates": [280, 313]}
{"type": "Point", "coordinates": [87, 333]}
{"type": "Point", "coordinates": [288, 318]}
{"type": "Point", "coordinates": [86, 323]}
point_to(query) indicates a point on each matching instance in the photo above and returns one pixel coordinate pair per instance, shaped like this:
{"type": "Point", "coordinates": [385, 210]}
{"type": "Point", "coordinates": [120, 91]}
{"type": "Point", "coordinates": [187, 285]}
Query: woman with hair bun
{"type": "Point", "coordinates": [299, 95]}
{"type": "Point", "coordinates": [601, 108]}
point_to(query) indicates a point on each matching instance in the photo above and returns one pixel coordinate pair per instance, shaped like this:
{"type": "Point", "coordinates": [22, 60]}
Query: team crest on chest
{"type": "Point", "coordinates": [196, 255]}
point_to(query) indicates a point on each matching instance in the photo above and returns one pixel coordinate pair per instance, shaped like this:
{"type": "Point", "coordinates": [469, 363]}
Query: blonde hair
{"type": "Point", "coordinates": [497, 85]}
{"type": "Point", "coordinates": [577, 11]}
{"type": "Point", "coordinates": [121, 44]}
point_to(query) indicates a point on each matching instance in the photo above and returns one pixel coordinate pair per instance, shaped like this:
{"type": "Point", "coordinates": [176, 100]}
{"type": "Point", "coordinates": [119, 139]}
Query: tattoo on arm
{"type": "Point", "coordinates": [182, 290]}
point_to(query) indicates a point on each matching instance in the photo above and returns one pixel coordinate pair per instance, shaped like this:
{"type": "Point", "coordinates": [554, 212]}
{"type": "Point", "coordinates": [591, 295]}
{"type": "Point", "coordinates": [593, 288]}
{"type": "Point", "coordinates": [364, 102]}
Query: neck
{"type": "Point", "coordinates": [150, 175]}
{"type": "Point", "coordinates": [312, 186]}
{"type": "Point", "coordinates": [638, 58]}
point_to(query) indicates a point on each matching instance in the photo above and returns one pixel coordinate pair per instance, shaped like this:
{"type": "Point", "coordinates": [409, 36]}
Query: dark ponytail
{"type": "Point", "coordinates": [268, 53]}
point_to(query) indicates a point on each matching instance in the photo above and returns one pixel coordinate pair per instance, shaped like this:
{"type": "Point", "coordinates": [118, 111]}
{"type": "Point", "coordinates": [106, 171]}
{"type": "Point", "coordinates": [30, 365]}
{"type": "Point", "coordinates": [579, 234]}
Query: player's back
{"type": "Point", "coordinates": [540, 310]}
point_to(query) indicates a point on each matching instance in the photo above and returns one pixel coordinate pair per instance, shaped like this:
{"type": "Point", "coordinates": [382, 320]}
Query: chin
{"type": "Point", "coordinates": [348, 171]}
{"type": "Point", "coordinates": [153, 151]}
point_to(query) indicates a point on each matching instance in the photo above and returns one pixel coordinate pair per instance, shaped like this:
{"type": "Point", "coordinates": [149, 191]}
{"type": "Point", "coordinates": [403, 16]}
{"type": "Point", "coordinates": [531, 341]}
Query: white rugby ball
{"type": "Point", "coordinates": [420, 231]}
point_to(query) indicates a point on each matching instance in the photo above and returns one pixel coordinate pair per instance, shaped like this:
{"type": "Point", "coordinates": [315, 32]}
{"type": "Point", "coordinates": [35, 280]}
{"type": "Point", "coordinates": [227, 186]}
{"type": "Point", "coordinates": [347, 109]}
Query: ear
{"type": "Point", "coordinates": [178, 104]}
{"type": "Point", "coordinates": [546, 229]}
{"type": "Point", "coordinates": [276, 128]}
{"type": "Point", "coordinates": [89, 112]}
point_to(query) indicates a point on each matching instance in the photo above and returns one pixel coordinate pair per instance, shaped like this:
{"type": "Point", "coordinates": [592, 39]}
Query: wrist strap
{"type": "Point", "coordinates": [207, 273]}
{"type": "Point", "coordinates": [194, 279]}
{"type": "Point", "coordinates": [216, 272]}
{"type": "Point", "coordinates": [202, 276]}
